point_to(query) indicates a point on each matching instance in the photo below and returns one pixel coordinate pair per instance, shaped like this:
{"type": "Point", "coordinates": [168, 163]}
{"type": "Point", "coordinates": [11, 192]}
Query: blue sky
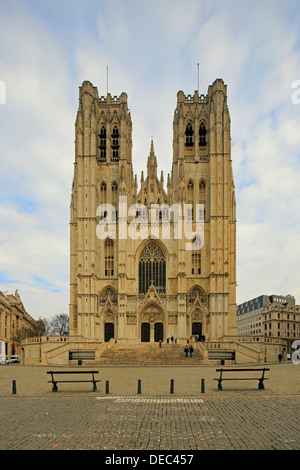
{"type": "Point", "coordinates": [48, 48]}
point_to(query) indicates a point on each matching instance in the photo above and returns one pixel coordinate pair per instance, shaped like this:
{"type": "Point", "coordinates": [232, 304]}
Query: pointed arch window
{"type": "Point", "coordinates": [202, 135]}
{"type": "Point", "coordinates": [115, 144]}
{"type": "Point", "coordinates": [202, 196]}
{"type": "Point", "coordinates": [102, 146]}
{"type": "Point", "coordinates": [194, 293]}
{"type": "Point", "coordinates": [114, 194]}
{"type": "Point", "coordinates": [190, 200]}
{"type": "Point", "coordinates": [196, 257]}
{"type": "Point", "coordinates": [152, 268]}
{"type": "Point", "coordinates": [103, 193]}
{"type": "Point", "coordinates": [114, 197]}
{"type": "Point", "coordinates": [108, 293]}
{"type": "Point", "coordinates": [189, 135]}
{"type": "Point", "coordinates": [109, 257]}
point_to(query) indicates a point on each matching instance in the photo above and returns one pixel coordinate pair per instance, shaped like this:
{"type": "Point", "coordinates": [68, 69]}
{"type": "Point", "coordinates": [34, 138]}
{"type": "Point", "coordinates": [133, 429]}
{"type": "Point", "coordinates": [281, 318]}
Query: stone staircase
{"type": "Point", "coordinates": [147, 354]}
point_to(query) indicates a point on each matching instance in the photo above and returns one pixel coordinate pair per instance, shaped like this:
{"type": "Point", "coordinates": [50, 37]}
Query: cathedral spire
{"type": "Point", "coordinates": [152, 162]}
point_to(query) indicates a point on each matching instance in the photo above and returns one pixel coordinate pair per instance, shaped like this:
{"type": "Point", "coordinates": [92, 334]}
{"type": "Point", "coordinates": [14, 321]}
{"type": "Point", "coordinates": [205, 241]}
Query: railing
{"type": "Point", "coordinates": [201, 99]}
{"type": "Point", "coordinates": [48, 338]}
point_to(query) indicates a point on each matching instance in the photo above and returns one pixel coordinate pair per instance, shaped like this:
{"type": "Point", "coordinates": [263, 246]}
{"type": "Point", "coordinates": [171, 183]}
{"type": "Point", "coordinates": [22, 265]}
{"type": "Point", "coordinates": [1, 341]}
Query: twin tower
{"type": "Point", "coordinates": [148, 286]}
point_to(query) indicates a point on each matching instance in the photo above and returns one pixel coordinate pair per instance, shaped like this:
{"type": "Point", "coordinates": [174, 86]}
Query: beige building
{"type": "Point", "coordinates": [15, 323]}
{"type": "Point", "coordinates": [250, 314]}
{"type": "Point", "coordinates": [155, 260]}
{"type": "Point", "coordinates": [140, 282]}
{"type": "Point", "coordinates": [281, 321]}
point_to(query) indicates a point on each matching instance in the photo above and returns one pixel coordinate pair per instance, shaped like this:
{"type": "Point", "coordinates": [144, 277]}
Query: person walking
{"type": "Point", "coordinates": [186, 350]}
{"type": "Point", "coordinates": [191, 350]}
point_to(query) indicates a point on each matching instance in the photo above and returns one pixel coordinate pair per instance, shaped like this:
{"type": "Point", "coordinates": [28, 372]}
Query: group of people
{"type": "Point", "coordinates": [188, 349]}
{"type": "Point", "coordinates": [172, 339]}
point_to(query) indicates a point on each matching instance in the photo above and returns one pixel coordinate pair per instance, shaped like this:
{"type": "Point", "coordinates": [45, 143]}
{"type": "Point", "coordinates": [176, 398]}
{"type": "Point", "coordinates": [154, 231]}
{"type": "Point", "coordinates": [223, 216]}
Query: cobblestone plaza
{"type": "Point", "coordinates": [117, 417]}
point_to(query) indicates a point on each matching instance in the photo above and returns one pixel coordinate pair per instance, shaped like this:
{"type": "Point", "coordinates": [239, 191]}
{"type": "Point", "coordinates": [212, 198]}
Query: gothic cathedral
{"type": "Point", "coordinates": [141, 283]}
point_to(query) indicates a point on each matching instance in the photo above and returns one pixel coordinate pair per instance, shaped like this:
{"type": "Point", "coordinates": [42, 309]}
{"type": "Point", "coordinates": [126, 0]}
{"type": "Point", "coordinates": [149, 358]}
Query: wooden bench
{"type": "Point", "coordinates": [54, 381]}
{"type": "Point", "coordinates": [260, 379]}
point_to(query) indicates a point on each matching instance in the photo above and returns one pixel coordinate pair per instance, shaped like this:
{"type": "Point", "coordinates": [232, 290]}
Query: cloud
{"type": "Point", "coordinates": [47, 49]}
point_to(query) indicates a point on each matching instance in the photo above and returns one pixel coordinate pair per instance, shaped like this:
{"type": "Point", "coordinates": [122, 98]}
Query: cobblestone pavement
{"type": "Point", "coordinates": [240, 417]}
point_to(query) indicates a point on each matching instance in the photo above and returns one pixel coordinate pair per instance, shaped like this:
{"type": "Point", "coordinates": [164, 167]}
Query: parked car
{"type": "Point", "coordinates": [3, 361]}
{"type": "Point", "coordinates": [14, 358]}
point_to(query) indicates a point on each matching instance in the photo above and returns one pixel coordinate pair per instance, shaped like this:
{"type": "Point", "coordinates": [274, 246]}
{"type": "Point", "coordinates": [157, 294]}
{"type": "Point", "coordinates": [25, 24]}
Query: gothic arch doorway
{"type": "Point", "coordinates": [197, 329]}
{"type": "Point", "coordinates": [145, 332]}
{"type": "Point", "coordinates": [158, 332]}
{"type": "Point", "coordinates": [152, 323]}
{"type": "Point", "coordinates": [109, 331]}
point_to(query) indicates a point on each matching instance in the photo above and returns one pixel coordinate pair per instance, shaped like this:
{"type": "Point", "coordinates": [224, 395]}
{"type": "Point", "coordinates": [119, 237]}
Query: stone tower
{"type": "Point", "coordinates": [103, 170]}
{"type": "Point", "coordinates": [147, 286]}
{"type": "Point", "coordinates": [202, 173]}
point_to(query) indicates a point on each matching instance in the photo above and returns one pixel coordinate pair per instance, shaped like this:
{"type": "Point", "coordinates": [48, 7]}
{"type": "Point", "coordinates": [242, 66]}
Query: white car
{"type": "Point", "coordinates": [3, 361]}
{"type": "Point", "coordinates": [14, 358]}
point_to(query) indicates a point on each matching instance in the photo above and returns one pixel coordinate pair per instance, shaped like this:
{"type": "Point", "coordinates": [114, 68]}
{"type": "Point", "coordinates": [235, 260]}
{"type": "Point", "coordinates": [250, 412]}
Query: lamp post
{"type": "Point", "coordinates": [13, 341]}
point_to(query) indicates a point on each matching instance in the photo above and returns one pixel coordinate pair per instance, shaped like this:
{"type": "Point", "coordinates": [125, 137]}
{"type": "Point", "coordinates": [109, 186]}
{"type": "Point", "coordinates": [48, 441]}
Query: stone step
{"type": "Point", "coordinates": [148, 354]}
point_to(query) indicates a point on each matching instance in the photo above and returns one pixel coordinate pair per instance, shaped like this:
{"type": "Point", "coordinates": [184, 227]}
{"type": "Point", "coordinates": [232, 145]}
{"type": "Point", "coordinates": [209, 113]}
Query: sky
{"type": "Point", "coordinates": [151, 49]}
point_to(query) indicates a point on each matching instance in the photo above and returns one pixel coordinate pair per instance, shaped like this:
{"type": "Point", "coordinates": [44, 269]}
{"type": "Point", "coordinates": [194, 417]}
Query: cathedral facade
{"type": "Point", "coordinates": [136, 273]}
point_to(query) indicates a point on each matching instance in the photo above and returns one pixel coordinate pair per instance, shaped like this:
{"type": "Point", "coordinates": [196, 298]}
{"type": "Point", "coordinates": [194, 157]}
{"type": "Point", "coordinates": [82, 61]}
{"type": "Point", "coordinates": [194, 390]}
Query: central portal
{"type": "Point", "coordinates": [152, 324]}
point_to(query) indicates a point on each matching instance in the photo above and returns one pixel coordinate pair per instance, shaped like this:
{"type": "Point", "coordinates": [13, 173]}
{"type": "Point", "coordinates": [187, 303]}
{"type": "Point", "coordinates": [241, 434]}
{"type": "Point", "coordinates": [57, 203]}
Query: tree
{"type": "Point", "coordinates": [59, 324]}
{"type": "Point", "coordinates": [47, 326]}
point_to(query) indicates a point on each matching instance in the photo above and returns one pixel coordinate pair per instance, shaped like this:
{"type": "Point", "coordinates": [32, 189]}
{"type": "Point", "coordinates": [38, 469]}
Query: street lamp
{"type": "Point", "coordinates": [13, 341]}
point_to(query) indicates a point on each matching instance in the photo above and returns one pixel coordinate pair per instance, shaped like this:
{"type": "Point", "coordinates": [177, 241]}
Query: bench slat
{"type": "Point", "coordinates": [72, 381]}
{"type": "Point", "coordinates": [241, 370]}
{"type": "Point", "coordinates": [243, 378]}
{"type": "Point", "coordinates": [73, 372]}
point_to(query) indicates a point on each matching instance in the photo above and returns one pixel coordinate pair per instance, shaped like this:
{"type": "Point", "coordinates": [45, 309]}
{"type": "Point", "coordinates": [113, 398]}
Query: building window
{"type": "Point", "coordinates": [196, 264]}
{"type": "Point", "coordinates": [109, 257]}
{"type": "Point", "coordinates": [202, 135]}
{"type": "Point", "coordinates": [196, 293]}
{"type": "Point", "coordinates": [103, 193]}
{"type": "Point", "coordinates": [115, 145]}
{"type": "Point", "coordinates": [152, 268]}
{"type": "Point", "coordinates": [114, 194]}
{"type": "Point", "coordinates": [202, 195]}
{"type": "Point", "coordinates": [102, 146]}
{"type": "Point", "coordinates": [189, 135]}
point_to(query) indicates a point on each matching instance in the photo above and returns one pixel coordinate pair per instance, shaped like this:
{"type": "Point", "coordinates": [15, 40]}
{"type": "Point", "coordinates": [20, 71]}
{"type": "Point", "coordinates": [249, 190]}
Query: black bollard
{"type": "Point", "coordinates": [14, 387]}
{"type": "Point", "coordinates": [139, 386]}
{"type": "Point", "coordinates": [172, 386]}
{"type": "Point", "coordinates": [202, 386]}
{"type": "Point", "coordinates": [107, 386]}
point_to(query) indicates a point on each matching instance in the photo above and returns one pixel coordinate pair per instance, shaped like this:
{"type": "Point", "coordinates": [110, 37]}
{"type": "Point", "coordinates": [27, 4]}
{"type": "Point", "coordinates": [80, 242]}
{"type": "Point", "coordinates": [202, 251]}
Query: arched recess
{"type": "Point", "coordinates": [152, 322]}
{"type": "Point", "coordinates": [196, 294]}
{"type": "Point", "coordinates": [189, 141]}
{"type": "Point", "coordinates": [202, 134]}
{"type": "Point", "coordinates": [203, 196]}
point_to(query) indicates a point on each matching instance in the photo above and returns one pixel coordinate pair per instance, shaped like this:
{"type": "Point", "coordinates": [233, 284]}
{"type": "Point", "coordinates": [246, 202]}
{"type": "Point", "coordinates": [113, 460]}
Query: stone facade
{"type": "Point", "coordinates": [250, 314]}
{"type": "Point", "coordinates": [15, 323]}
{"type": "Point", "coordinates": [148, 286]}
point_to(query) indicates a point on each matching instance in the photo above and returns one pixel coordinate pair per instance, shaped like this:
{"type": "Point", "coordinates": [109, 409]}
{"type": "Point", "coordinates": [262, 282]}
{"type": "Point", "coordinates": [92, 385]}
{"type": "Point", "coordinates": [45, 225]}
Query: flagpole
{"type": "Point", "coordinates": [107, 79]}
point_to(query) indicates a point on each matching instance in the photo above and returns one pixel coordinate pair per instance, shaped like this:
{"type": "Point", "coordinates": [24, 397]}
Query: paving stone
{"type": "Point", "coordinates": [75, 418]}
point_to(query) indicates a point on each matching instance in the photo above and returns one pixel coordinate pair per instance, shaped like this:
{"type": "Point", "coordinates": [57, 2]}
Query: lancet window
{"type": "Point", "coordinates": [152, 268]}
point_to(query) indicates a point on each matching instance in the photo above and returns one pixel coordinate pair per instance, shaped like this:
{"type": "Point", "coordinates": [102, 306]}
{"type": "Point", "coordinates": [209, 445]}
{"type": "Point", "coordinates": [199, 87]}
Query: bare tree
{"type": "Point", "coordinates": [47, 326]}
{"type": "Point", "coordinates": [60, 324]}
